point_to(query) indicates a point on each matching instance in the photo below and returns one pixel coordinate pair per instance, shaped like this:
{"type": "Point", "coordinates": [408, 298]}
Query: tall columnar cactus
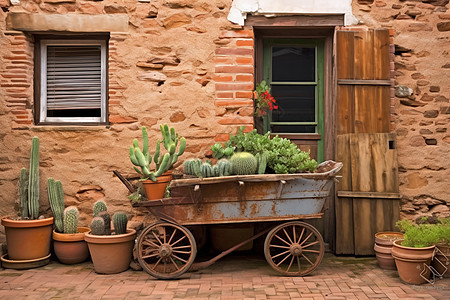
{"type": "Point", "coordinates": [56, 199]}
{"type": "Point", "coordinates": [120, 221]}
{"type": "Point", "coordinates": [97, 226]}
{"type": "Point", "coordinates": [106, 221]}
{"type": "Point", "coordinates": [71, 220]}
{"type": "Point", "coordinates": [33, 182]}
{"type": "Point", "coordinates": [262, 162]}
{"type": "Point", "coordinates": [142, 158]}
{"type": "Point", "coordinates": [243, 163]}
{"type": "Point", "coordinates": [170, 142]}
{"type": "Point", "coordinates": [23, 189]}
{"type": "Point", "coordinates": [99, 206]}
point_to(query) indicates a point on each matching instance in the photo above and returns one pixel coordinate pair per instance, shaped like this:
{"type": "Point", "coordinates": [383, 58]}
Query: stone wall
{"type": "Point", "coordinates": [421, 110]}
{"type": "Point", "coordinates": [182, 63]}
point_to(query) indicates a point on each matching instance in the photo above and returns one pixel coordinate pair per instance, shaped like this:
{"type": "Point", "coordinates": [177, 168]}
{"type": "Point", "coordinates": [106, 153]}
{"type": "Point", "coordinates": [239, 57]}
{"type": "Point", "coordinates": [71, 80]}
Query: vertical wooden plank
{"type": "Point", "coordinates": [344, 206]}
{"type": "Point", "coordinates": [381, 54]}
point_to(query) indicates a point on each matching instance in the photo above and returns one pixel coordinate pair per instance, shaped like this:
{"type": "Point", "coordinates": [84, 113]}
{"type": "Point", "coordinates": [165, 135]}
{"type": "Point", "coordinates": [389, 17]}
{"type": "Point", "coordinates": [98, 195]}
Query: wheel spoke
{"type": "Point", "coordinates": [282, 240]}
{"type": "Point", "coordinates": [165, 266]}
{"type": "Point", "coordinates": [312, 251]}
{"type": "Point", "coordinates": [173, 262]}
{"type": "Point", "coordinates": [149, 256]}
{"type": "Point", "coordinates": [164, 228]}
{"type": "Point", "coordinates": [293, 230]}
{"type": "Point", "coordinates": [171, 237]}
{"type": "Point", "coordinates": [289, 238]}
{"type": "Point", "coordinates": [157, 238]}
{"type": "Point", "coordinates": [157, 263]}
{"type": "Point", "coordinates": [279, 246]}
{"type": "Point", "coordinates": [183, 260]}
{"type": "Point", "coordinates": [283, 260]}
{"type": "Point", "coordinates": [149, 243]}
{"type": "Point", "coordinates": [298, 263]}
{"type": "Point", "coordinates": [279, 254]}
{"type": "Point", "coordinates": [290, 264]}
{"type": "Point", "coordinates": [301, 235]}
{"type": "Point", "coordinates": [181, 252]}
{"type": "Point", "coordinates": [304, 241]}
{"type": "Point", "coordinates": [183, 237]}
{"type": "Point", "coordinates": [181, 247]}
{"type": "Point", "coordinates": [307, 259]}
{"type": "Point", "coordinates": [311, 244]}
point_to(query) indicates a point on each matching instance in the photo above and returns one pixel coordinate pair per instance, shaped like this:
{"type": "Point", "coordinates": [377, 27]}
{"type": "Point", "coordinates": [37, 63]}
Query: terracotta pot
{"type": "Point", "coordinates": [383, 248]}
{"type": "Point", "coordinates": [71, 248]}
{"type": "Point", "coordinates": [24, 264]}
{"type": "Point", "coordinates": [111, 253]}
{"type": "Point", "coordinates": [411, 262]}
{"type": "Point", "coordinates": [155, 190]}
{"type": "Point", "coordinates": [28, 239]}
{"type": "Point", "coordinates": [442, 260]}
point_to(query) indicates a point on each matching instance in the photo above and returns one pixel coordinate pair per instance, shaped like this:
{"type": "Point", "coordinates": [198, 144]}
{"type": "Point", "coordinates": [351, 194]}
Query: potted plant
{"type": "Point", "coordinates": [383, 248]}
{"type": "Point", "coordinates": [68, 239]}
{"type": "Point", "coordinates": [413, 254]}
{"type": "Point", "coordinates": [28, 237]}
{"type": "Point", "coordinates": [155, 182]}
{"type": "Point", "coordinates": [110, 251]}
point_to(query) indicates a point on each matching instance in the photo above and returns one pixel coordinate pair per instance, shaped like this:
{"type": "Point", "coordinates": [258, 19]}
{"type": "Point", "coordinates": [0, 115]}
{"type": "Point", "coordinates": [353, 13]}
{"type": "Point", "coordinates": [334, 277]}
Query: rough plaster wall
{"type": "Point", "coordinates": [422, 63]}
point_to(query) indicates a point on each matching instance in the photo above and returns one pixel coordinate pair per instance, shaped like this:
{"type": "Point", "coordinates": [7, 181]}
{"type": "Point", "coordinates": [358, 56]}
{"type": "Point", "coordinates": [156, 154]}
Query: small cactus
{"type": "Point", "coordinates": [206, 170]}
{"type": "Point", "coordinates": [71, 220]}
{"type": "Point", "coordinates": [225, 167]}
{"type": "Point", "coordinates": [106, 220]}
{"type": "Point", "coordinates": [244, 163]}
{"type": "Point", "coordinates": [99, 206]}
{"type": "Point", "coordinates": [262, 162]}
{"type": "Point", "coordinates": [56, 199]}
{"type": "Point", "coordinates": [120, 221]}
{"type": "Point", "coordinates": [97, 226]}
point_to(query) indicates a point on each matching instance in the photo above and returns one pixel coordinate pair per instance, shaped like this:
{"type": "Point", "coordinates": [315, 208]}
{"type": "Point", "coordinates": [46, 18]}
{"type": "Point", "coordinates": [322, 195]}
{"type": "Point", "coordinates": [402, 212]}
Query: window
{"type": "Point", "coordinates": [72, 81]}
{"type": "Point", "coordinates": [294, 70]}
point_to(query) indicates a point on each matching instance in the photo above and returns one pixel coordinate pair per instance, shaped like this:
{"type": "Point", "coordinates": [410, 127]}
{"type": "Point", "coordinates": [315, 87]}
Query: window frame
{"type": "Point", "coordinates": [42, 42]}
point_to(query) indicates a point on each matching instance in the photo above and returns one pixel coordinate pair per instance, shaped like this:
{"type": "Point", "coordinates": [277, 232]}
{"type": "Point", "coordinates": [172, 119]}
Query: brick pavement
{"type": "Point", "coordinates": [235, 277]}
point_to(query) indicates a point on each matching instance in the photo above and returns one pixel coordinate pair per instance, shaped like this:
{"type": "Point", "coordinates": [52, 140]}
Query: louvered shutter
{"type": "Point", "coordinates": [74, 77]}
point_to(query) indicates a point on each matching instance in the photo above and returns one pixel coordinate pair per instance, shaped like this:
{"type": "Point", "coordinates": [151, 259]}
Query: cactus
{"type": "Point", "coordinates": [225, 167]}
{"type": "Point", "coordinates": [33, 182]}
{"type": "Point", "coordinates": [120, 221]}
{"type": "Point", "coordinates": [243, 163]}
{"type": "Point", "coordinates": [71, 220]}
{"type": "Point", "coordinates": [56, 199]}
{"type": "Point", "coordinates": [106, 221]}
{"type": "Point", "coordinates": [192, 167]}
{"type": "Point", "coordinates": [262, 162]}
{"type": "Point", "coordinates": [215, 171]}
{"type": "Point", "coordinates": [206, 170]}
{"type": "Point", "coordinates": [97, 226]}
{"type": "Point", "coordinates": [23, 189]}
{"type": "Point", "coordinates": [99, 206]}
{"type": "Point", "coordinates": [170, 141]}
{"type": "Point", "coordinates": [142, 158]}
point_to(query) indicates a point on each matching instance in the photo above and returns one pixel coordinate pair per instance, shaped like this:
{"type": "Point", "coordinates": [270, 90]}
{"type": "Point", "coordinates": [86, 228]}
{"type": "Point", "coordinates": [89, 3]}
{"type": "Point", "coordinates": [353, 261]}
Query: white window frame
{"type": "Point", "coordinates": [43, 81]}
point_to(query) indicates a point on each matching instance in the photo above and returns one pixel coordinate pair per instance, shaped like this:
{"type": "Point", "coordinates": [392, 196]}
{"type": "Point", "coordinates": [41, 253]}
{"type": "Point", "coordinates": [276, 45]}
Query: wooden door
{"type": "Point", "coordinates": [367, 196]}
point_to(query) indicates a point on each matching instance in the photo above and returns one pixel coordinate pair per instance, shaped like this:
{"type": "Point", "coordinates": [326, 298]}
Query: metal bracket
{"type": "Point", "coordinates": [280, 188]}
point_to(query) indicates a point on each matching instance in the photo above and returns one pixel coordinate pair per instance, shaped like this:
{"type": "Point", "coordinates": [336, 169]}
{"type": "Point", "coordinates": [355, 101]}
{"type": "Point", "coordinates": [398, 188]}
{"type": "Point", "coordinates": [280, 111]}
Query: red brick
{"type": "Point", "coordinates": [245, 94]}
{"type": "Point", "coordinates": [223, 60]}
{"type": "Point", "coordinates": [224, 94]}
{"type": "Point", "coordinates": [248, 128]}
{"type": "Point", "coordinates": [120, 119]}
{"type": "Point", "coordinates": [232, 51]}
{"type": "Point", "coordinates": [237, 33]}
{"type": "Point", "coordinates": [244, 60]}
{"type": "Point", "coordinates": [222, 137]}
{"type": "Point", "coordinates": [244, 43]}
{"type": "Point", "coordinates": [233, 103]}
{"type": "Point", "coordinates": [236, 120]}
{"type": "Point", "coordinates": [234, 69]}
{"type": "Point", "coordinates": [245, 78]}
{"type": "Point", "coordinates": [233, 86]}
{"type": "Point", "coordinates": [219, 78]}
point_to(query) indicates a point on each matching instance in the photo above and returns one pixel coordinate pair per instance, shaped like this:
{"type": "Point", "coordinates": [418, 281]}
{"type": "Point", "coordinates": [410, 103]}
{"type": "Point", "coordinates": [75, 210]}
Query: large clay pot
{"type": "Point", "coordinates": [411, 262]}
{"type": "Point", "coordinates": [71, 248]}
{"type": "Point", "coordinates": [383, 248]}
{"type": "Point", "coordinates": [442, 260]}
{"type": "Point", "coordinates": [111, 253]}
{"type": "Point", "coordinates": [155, 190]}
{"type": "Point", "coordinates": [28, 239]}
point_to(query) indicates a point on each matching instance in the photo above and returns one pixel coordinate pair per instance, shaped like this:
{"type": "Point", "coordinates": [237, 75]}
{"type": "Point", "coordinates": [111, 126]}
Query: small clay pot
{"type": "Point", "coordinates": [383, 248]}
{"type": "Point", "coordinates": [71, 248]}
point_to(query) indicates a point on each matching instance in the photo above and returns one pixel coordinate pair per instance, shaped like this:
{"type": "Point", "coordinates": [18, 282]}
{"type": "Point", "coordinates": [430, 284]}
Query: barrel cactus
{"type": "Point", "coordinates": [243, 163]}
{"type": "Point", "coordinates": [99, 206]}
{"type": "Point", "coordinates": [120, 221]}
{"type": "Point", "coordinates": [106, 221]}
{"type": "Point", "coordinates": [97, 226]}
{"type": "Point", "coordinates": [71, 220]}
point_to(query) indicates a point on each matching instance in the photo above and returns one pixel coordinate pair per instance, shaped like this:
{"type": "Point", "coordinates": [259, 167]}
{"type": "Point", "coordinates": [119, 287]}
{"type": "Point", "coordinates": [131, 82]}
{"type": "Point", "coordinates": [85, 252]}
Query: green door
{"type": "Point", "coordinates": [294, 70]}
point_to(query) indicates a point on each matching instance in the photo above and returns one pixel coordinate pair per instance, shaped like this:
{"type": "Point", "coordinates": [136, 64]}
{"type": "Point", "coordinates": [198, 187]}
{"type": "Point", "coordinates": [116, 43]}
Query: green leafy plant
{"type": "Point", "coordinates": [283, 156]}
{"type": "Point", "coordinates": [218, 151]}
{"type": "Point", "coordinates": [421, 235]}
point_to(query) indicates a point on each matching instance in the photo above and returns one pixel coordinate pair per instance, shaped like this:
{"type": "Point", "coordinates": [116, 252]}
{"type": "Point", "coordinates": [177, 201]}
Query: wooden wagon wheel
{"type": "Point", "coordinates": [294, 248]}
{"type": "Point", "coordinates": [166, 250]}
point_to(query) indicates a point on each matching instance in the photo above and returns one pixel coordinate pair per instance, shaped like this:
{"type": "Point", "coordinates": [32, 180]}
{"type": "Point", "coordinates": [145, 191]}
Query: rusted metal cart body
{"type": "Point", "coordinates": [167, 249]}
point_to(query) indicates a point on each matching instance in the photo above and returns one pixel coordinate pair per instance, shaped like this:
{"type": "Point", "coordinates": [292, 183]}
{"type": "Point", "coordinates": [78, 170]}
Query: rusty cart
{"type": "Point", "coordinates": [167, 249]}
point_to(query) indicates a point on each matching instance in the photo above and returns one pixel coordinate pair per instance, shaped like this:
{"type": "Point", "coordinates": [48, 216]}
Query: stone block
{"type": "Point", "coordinates": [443, 26]}
{"type": "Point", "coordinates": [176, 20]}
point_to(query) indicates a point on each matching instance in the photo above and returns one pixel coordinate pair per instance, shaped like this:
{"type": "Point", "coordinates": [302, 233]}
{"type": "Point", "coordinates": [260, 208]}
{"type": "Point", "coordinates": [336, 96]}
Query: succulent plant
{"type": "Point", "coordinates": [23, 189]}
{"type": "Point", "coordinates": [97, 226]}
{"type": "Point", "coordinates": [120, 221]}
{"type": "Point", "coordinates": [170, 142]}
{"type": "Point", "coordinates": [262, 162]}
{"type": "Point", "coordinates": [56, 199]}
{"type": "Point", "coordinates": [243, 163]}
{"type": "Point", "coordinates": [192, 167]}
{"type": "Point", "coordinates": [71, 219]}
{"type": "Point", "coordinates": [106, 221]}
{"type": "Point", "coordinates": [225, 167]}
{"type": "Point", "coordinates": [99, 206]}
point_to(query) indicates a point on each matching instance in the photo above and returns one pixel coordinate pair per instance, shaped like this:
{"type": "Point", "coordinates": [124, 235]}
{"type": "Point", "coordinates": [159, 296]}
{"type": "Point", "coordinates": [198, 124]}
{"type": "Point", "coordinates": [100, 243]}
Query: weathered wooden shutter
{"type": "Point", "coordinates": [367, 196]}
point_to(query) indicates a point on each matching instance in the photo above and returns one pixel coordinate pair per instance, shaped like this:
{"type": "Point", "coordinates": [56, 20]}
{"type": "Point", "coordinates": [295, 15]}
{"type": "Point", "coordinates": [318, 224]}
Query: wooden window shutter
{"type": "Point", "coordinates": [74, 77]}
{"type": "Point", "coordinates": [363, 78]}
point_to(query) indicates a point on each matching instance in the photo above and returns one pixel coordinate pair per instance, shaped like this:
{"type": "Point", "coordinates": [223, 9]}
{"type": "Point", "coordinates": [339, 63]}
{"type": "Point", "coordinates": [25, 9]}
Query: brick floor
{"type": "Point", "coordinates": [235, 277]}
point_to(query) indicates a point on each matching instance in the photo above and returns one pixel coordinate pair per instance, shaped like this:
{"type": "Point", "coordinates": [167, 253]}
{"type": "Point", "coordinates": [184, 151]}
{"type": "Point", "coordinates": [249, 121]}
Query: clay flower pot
{"type": "Point", "coordinates": [71, 248]}
{"type": "Point", "coordinates": [28, 239]}
{"type": "Point", "coordinates": [111, 253]}
{"type": "Point", "coordinates": [155, 190]}
{"type": "Point", "coordinates": [412, 262]}
{"type": "Point", "coordinates": [383, 248]}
